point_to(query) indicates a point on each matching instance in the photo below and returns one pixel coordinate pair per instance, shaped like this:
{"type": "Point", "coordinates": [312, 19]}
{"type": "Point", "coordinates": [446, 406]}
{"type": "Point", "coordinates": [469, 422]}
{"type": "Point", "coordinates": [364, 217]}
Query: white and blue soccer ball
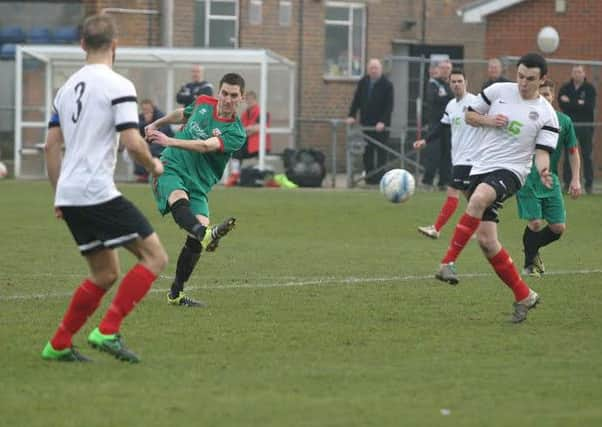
{"type": "Point", "coordinates": [397, 185]}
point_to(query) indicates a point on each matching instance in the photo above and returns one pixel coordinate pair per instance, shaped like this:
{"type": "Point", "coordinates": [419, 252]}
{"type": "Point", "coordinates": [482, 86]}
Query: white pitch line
{"type": "Point", "coordinates": [324, 281]}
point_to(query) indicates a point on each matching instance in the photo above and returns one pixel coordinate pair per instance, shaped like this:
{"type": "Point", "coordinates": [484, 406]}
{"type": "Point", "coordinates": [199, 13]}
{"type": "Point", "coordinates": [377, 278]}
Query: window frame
{"type": "Point", "coordinates": [209, 17]}
{"type": "Point", "coordinates": [351, 8]}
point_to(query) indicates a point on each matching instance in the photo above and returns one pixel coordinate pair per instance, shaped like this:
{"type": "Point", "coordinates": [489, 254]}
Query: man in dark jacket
{"type": "Point", "coordinates": [438, 152]}
{"type": "Point", "coordinates": [577, 99]}
{"type": "Point", "coordinates": [149, 114]}
{"type": "Point", "coordinates": [373, 99]}
{"type": "Point", "coordinates": [189, 92]}
{"type": "Point", "coordinates": [495, 69]}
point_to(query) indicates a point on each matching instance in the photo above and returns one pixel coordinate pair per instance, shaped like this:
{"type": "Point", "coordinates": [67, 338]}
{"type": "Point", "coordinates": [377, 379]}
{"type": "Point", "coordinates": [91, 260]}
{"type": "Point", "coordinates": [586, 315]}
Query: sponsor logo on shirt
{"type": "Point", "coordinates": [533, 115]}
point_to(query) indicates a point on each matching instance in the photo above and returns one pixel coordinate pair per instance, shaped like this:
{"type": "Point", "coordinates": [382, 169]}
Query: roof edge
{"type": "Point", "coordinates": [476, 12]}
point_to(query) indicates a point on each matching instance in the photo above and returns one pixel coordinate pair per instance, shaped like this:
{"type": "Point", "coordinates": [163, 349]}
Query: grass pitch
{"type": "Point", "coordinates": [322, 312]}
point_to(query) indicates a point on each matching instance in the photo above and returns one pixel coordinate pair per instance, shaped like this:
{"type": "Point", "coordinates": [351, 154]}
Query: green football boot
{"type": "Point", "coordinates": [113, 345]}
{"type": "Point", "coordinates": [66, 355]}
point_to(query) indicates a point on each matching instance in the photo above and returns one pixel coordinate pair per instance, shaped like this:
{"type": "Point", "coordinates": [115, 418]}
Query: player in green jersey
{"type": "Point", "coordinates": [194, 161]}
{"type": "Point", "coordinates": [537, 203]}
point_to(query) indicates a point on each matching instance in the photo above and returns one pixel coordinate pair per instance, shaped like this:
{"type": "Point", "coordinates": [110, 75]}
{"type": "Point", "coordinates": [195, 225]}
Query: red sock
{"type": "Point", "coordinates": [465, 228]}
{"type": "Point", "coordinates": [132, 289]}
{"type": "Point", "coordinates": [505, 269]}
{"type": "Point", "coordinates": [447, 210]}
{"type": "Point", "coordinates": [84, 302]}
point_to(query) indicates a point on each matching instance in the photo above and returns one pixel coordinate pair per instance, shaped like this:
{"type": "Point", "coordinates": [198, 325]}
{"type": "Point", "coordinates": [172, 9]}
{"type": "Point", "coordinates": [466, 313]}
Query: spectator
{"type": "Point", "coordinates": [577, 99]}
{"type": "Point", "coordinates": [149, 114]}
{"type": "Point", "coordinates": [495, 69]}
{"type": "Point", "coordinates": [250, 119]}
{"type": "Point", "coordinates": [373, 99]}
{"type": "Point", "coordinates": [438, 151]}
{"type": "Point", "coordinates": [196, 87]}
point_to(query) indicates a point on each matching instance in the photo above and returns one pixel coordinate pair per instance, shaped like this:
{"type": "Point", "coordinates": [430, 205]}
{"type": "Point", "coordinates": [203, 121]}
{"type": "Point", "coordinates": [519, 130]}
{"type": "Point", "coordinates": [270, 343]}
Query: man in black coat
{"type": "Point", "coordinates": [495, 69]}
{"type": "Point", "coordinates": [577, 99]}
{"type": "Point", "coordinates": [373, 99]}
{"type": "Point", "coordinates": [188, 93]}
{"type": "Point", "coordinates": [149, 113]}
{"type": "Point", "coordinates": [437, 156]}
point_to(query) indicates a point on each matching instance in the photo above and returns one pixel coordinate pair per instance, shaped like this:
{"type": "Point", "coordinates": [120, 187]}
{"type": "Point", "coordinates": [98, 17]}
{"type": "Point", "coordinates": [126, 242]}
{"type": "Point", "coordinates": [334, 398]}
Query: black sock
{"type": "Point", "coordinates": [546, 236]}
{"type": "Point", "coordinates": [183, 216]}
{"type": "Point", "coordinates": [189, 256]}
{"type": "Point", "coordinates": [530, 245]}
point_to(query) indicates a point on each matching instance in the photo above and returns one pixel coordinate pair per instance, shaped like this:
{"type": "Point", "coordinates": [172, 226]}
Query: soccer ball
{"type": "Point", "coordinates": [397, 185]}
{"type": "Point", "coordinates": [3, 170]}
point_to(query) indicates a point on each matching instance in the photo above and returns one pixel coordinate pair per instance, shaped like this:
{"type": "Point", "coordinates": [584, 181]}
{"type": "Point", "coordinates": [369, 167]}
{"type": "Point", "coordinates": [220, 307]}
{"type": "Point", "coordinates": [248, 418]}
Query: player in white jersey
{"type": "Point", "coordinates": [93, 108]}
{"type": "Point", "coordinates": [517, 122]}
{"type": "Point", "coordinates": [464, 140]}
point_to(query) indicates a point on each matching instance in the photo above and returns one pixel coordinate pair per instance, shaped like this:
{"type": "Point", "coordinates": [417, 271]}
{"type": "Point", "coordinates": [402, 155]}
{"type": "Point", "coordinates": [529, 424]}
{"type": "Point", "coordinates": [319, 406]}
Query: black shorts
{"type": "Point", "coordinates": [243, 153]}
{"type": "Point", "coordinates": [461, 177]}
{"type": "Point", "coordinates": [505, 184]}
{"type": "Point", "coordinates": [106, 225]}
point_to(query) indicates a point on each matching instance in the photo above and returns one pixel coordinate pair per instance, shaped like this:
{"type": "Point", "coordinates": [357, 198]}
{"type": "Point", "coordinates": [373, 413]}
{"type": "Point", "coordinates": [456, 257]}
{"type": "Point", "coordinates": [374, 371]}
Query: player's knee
{"type": "Point", "coordinates": [159, 260]}
{"type": "Point", "coordinates": [557, 228]}
{"type": "Point", "coordinates": [535, 225]}
{"type": "Point", "coordinates": [106, 278]}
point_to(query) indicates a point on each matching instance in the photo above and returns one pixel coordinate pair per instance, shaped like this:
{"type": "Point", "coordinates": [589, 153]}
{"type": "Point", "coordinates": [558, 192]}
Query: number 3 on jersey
{"type": "Point", "coordinates": [79, 92]}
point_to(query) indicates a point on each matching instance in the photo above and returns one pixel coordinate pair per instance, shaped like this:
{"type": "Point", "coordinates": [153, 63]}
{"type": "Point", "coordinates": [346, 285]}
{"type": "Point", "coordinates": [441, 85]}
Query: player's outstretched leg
{"type": "Point", "coordinates": [188, 259]}
{"type": "Point", "coordinates": [215, 233]}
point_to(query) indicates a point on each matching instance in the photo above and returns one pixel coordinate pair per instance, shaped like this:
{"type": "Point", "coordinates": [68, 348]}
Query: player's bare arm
{"type": "Point", "coordinates": [198, 145]}
{"type": "Point", "coordinates": [575, 163]}
{"type": "Point", "coordinates": [476, 119]}
{"type": "Point", "coordinates": [53, 153]}
{"type": "Point", "coordinates": [542, 163]}
{"type": "Point", "coordinates": [176, 117]}
{"type": "Point", "coordinates": [138, 149]}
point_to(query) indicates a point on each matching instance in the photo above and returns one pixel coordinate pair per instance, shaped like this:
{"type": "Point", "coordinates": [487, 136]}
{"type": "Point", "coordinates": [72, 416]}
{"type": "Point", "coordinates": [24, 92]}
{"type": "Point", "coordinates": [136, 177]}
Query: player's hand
{"type": "Point", "coordinates": [158, 137]}
{"type": "Point", "coordinates": [157, 167]}
{"type": "Point", "coordinates": [350, 120]}
{"type": "Point", "coordinates": [58, 213]}
{"type": "Point", "coordinates": [419, 144]}
{"type": "Point", "coordinates": [380, 126]}
{"type": "Point", "coordinates": [499, 121]}
{"type": "Point", "coordinates": [546, 178]}
{"type": "Point", "coordinates": [149, 128]}
{"type": "Point", "coordinates": [575, 189]}
{"type": "Point", "coordinates": [565, 98]}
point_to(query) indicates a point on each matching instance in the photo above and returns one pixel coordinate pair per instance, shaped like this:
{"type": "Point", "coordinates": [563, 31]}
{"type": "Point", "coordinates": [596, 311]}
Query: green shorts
{"type": "Point", "coordinates": [551, 208]}
{"type": "Point", "coordinates": [165, 184]}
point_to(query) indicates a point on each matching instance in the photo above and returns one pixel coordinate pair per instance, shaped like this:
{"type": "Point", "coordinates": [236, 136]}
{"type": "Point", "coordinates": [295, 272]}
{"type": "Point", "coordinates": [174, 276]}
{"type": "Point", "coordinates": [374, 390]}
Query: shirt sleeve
{"type": "Point", "coordinates": [54, 114]}
{"type": "Point", "coordinates": [445, 119]}
{"type": "Point", "coordinates": [570, 138]}
{"type": "Point", "coordinates": [483, 101]}
{"type": "Point", "coordinates": [125, 107]}
{"type": "Point", "coordinates": [232, 140]}
{"type": "Point", "coordinates": [547, 137]}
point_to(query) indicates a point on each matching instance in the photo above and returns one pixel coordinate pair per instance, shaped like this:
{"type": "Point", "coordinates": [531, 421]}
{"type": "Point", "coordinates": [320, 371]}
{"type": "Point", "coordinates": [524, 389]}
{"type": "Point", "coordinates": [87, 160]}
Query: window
{"type": "Point", "coordinates": [285, 13]}
{"type": "Point", "coordinates": [255, 12]}
{"type": "Point", "coordinates": [216, 23]}
{"type": "Point", "coordinates": [345, 39]}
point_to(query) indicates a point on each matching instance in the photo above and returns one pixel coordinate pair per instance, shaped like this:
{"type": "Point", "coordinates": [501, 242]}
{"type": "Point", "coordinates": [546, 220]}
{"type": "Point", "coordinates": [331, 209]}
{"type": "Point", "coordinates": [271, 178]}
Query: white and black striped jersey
{"type": "Point", "coordinates": [531, 124]}
{"type": "Point", "coordinates": [91, 108]}
{"type": "Point", "coordinates": [464, 138]}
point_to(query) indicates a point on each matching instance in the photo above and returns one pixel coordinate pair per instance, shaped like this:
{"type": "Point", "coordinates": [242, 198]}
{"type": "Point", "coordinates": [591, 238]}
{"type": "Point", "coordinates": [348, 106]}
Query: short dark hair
{"type": "Point", "coordinates": [534, 60]}
{"type": "Point", "coordinates": [99, 31]}
{"type": "Point", "coordinates": [548, 83]}
{"type": "Point", "coordinates": [458, 71]}
{"type": "Point", "coordinates": [233, 79]}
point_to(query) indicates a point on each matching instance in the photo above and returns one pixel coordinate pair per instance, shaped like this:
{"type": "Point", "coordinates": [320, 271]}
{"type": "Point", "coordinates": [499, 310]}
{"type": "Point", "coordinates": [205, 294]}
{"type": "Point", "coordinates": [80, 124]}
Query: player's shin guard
{"type": "Point", "coordinates": [132, 289]}
{"type": "Point", "coordinates": [84, 302]}
{"type": "Point", "coordinates": [464, 230]}
{"type": "Point", "coordinates": [189, 256]}
{"type": "Point", "coordinates": [447, 210]}
{"type": "Point", "coordinates": [183, 216]}
{"type": "Point", "coordinates": [505, 269]}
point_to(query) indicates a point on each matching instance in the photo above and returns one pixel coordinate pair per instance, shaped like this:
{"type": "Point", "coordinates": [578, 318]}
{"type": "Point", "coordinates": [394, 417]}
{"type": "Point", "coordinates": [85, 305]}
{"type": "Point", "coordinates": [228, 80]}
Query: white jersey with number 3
{"type": "Point", "coordinates": [91, 108]}
{"type": "Point", "coordinates": [531, 124]}
{"type": "Point", "coordinates": [464, 138]}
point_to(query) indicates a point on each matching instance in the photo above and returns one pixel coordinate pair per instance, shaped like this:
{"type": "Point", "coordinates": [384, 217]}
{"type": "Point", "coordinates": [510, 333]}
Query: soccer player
{"type": "Point", "coordinates": [537, 203]}
{"type": "Point", "coordinates": [517, 122]}
{"type": "Point", "coordinates": [194, 162]}
{"type": "Point", "coordinates": [464, 140]}
{"type": "Point", "coordinates": [90, 109]}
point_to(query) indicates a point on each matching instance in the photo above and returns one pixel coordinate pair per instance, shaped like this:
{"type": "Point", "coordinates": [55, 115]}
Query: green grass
{"type": "Point", "coordinates": [322, 312]}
